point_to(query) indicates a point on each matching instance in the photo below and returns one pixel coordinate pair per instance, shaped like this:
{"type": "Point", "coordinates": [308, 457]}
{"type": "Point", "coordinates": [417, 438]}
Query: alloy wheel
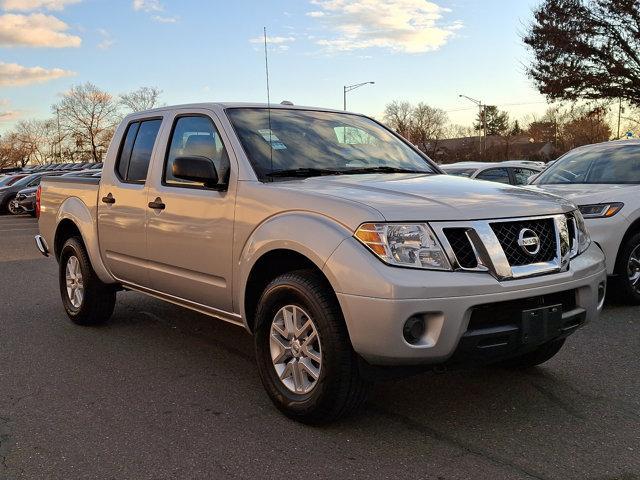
{"type": "Point", "coordinates": [633, 269]}
{"type": "Point", "coordinates": [13, 207]}
{"type": "Point", "coordinates": [75, 286]}
{"type": "Point", "coordinates": [295, 349]}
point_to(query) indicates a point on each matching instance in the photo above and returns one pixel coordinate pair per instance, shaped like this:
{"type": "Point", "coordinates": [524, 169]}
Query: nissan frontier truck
{"type": "Point", "coordinates": [344, 250]}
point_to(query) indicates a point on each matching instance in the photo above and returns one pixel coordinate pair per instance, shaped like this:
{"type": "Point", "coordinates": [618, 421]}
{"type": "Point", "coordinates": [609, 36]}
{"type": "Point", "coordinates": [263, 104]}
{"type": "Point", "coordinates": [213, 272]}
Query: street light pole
{"type": "Point", "coordinates": [483, 120]}
{"type": "Point", "coordinates": [349, 88]}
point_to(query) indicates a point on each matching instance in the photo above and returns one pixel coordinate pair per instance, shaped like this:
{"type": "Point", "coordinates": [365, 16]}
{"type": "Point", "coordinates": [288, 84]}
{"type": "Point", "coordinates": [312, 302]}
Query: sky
{"type": "Point", "coordinates": [212, 50]}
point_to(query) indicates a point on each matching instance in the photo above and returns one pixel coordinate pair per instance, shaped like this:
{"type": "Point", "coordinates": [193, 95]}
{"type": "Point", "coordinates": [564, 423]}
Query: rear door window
{"type": "Point", "coordinates": [500, 175]}
{"type": "Point", "coordinates": [136, 150]}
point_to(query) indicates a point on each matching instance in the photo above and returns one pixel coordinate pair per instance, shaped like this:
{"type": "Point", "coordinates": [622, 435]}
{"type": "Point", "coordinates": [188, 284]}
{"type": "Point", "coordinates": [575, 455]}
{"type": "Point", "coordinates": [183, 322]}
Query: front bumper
{"type": "Point", "coordinates": [377, 304]}
{"type": "Point", "coordinates": [27, 204]}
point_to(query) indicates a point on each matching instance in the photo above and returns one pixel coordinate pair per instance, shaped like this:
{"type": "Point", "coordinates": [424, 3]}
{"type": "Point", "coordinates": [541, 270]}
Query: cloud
{"type": "Point", "coordinates": [148, 5]}
{"type": "Point", "coordinates": [35, 30]}
{"type": "Point", "coordinates": [408, 26]}
{"type": "Point", "coordinates": [9, 115]}
{"type": "Point", "coordinates": [107, 40]}
{"type": "Point", "coordinates": [14, 75]}
{"type": "Point", "coordinates": [156, 7]}
{"type": "Point", "coordinates": [162, 19]}
{"type": "Point", "coordinates": [29, 5]}
{"type": "Point", "coordinates": [277, 44]}
{"type": "Point", "coordinates": [272, 40]}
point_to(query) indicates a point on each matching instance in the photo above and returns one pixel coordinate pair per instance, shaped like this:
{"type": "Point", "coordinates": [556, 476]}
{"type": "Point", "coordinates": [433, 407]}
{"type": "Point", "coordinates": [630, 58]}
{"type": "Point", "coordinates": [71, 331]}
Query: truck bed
{"type": "Point", "coordinates": [57, 190]}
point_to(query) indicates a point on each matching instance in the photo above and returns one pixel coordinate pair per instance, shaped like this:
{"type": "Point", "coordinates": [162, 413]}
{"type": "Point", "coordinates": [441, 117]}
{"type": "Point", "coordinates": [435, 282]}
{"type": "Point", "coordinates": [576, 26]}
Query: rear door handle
{"type": "Point", "coordinates": [108, 199]}
{"type": "Point", "coordinates": [157, 204]}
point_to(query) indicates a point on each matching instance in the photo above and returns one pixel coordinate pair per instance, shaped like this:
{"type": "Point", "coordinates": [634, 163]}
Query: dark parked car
{"type": "Point", "coordinates": [8, 193]}
{"type": "Point", "coordinates": [9, 180]}
{"type": "Point", "coordinates": [26, 200]}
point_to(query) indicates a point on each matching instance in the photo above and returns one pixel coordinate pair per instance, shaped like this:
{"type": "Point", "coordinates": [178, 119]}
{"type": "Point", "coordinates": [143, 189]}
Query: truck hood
{"type": "Point", "coordinates": [584, 194]}
{"type": "Point", "coordinates": [418, 197]}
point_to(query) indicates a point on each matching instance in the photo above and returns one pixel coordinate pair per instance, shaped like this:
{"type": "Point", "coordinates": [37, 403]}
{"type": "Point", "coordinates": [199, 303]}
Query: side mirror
{"type": "Point", "coordinates": [196, 169]}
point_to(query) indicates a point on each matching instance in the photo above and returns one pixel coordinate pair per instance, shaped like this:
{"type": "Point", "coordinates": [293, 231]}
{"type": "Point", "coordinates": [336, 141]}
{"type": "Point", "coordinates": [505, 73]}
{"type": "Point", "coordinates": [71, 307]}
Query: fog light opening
{"type": "Point", "coordinates": [413, 330]}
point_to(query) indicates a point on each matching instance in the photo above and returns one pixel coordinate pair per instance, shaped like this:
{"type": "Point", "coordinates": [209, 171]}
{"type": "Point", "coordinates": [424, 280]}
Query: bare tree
{"type": "Point", "coordinates": [89, 114]}
{"type": "Point", "coordinates": [397, 116]}
{"type": "Point", "coordinates": [427, 126]}
{"type": "Point", "coordinates": [13, 153]}
{"type": "Point", "coordinates": [586, 128]}
{"type": "Point", "coordinates": [38, 139]}
{"type": "Point", "coordinates": [141, 99]}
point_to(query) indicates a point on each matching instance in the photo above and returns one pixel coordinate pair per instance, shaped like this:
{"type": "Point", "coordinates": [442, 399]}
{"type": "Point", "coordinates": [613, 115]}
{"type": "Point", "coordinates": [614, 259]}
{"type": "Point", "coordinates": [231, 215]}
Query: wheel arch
{"type": "Point", "coordinates": [74, 218]}
{"type": "Point", "coordinates": [289, 241]}
{"type": "Point", "coordinates": [268, 267]}
{"type": "Point", "coordinates": [633, 229]}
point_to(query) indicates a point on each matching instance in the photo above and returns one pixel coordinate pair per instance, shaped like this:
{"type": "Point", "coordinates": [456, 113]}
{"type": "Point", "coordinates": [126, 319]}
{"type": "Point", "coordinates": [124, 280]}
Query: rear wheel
{"type": "Point", "coordinates": [86, 299]}
{"type": "Point", "coordinates": [305, 359]}
{"type": "Point", "coordinates": [628, 269]}
{"type": "Point", "coordinates": [537, 357]}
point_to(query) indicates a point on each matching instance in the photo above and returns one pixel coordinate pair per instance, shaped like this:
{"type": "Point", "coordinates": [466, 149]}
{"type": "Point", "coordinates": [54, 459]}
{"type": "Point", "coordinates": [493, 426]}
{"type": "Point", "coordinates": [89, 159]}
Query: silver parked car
{"type": "Point", "coordinates": [512, 172]}
{"type": "Point", "coordinates": [604, 180]}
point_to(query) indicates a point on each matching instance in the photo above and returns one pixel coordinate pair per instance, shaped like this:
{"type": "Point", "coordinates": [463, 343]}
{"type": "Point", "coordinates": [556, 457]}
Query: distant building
{"type": "Point", "coordinates": [496, 148]}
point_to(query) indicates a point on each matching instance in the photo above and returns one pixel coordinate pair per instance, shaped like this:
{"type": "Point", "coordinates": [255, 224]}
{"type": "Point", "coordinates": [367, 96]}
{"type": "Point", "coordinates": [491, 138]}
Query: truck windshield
{"type": "Point", "coordinates": [600, 164]}
{"type": "Point", "coordinates": [304, 143]}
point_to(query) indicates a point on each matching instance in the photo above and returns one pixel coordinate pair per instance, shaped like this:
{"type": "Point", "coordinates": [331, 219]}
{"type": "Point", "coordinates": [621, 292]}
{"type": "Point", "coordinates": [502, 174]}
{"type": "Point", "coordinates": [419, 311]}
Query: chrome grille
{"type": "Point", "coordinates": [493, 245]}
{"type": "Point", "coordinates": [462, 247]}
{"type": "Point", "coordinates": [508, 233]}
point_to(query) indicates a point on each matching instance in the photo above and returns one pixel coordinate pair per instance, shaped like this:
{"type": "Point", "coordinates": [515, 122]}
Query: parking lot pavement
{"type": "Point", "coordinates": [162, 392]}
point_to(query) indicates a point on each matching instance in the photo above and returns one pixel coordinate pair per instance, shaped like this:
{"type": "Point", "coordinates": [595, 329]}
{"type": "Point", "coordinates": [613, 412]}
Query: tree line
{"type": "Point", "coordinates": [79, 129]}
{"type": "Point", "coordinates": [495, 137]}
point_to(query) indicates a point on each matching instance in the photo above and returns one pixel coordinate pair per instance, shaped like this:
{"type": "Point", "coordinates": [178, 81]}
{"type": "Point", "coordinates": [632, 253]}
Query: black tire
{"type": "Point", "coordinates": [537, 357]}
{"type": "Point", "coordinates": [339, 389]}
{"type": "Point", "coordinates": [627, 292]}
{"type": "Point", "coordinates": [98, 301]}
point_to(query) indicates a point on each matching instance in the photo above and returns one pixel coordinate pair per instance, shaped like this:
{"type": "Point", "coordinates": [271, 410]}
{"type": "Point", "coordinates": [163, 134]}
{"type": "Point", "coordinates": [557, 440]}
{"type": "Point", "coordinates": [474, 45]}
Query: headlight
{"type": "Point", "coordinates": [583, 240]}
{"type": "Point", "coordinates": [30, 195]}
{"type": "Point", "coordinates": [600, 210]}
{"type": "Point", "coordinates": [404, 245]}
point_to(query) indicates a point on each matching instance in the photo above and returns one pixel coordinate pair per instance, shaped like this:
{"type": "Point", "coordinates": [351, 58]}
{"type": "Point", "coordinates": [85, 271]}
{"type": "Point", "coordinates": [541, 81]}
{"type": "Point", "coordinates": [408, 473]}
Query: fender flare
{"type": "Point", "coordinates": [76, 211]}
{"type": "Point", "coordinates": [312, 235]}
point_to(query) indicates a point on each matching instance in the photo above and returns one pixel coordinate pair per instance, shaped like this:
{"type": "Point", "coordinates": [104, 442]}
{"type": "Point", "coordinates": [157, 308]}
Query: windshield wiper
{"type": "Point", "coordinates": [303, 172]}
{"type": "Point", "coordinates": [383, 169]}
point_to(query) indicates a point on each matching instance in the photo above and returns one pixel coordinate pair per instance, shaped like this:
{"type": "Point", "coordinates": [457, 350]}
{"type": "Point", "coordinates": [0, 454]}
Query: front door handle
{"type": "Point", "coordinates": [157, 204]}
{"type": "Point", "coordinates": [109, 199]}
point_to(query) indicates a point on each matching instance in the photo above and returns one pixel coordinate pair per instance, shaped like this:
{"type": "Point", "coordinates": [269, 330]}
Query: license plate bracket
{"type": "Point", "coordinates": [540, 324]}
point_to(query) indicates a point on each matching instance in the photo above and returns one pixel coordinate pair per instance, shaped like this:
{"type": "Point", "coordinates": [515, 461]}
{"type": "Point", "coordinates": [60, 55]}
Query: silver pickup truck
{"type": "Point", "coordinates": [345, 251]}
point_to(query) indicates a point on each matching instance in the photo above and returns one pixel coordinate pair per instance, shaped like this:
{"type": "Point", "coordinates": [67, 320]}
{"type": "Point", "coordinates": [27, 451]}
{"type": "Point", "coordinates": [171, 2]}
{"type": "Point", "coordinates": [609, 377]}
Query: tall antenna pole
{"type": "Point", "coordinates": [266, 67]}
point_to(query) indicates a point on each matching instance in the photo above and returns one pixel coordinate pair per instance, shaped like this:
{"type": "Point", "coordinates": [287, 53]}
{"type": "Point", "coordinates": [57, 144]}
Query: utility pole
{"type": "Point", "coordinates": [482, 110]}
{"type": "Point", "coordinates": [349, 88]}
{"type": "Point", "coordinates": [619, 116]}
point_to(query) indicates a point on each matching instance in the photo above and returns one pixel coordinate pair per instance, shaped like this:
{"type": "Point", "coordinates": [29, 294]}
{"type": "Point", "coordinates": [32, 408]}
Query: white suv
{"type": "Point", "coordinates": [604, 181]}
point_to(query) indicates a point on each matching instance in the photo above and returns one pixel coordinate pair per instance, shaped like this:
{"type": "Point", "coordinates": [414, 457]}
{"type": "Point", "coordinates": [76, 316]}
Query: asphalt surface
{"type": "Point", "coordinates": [162, 392]}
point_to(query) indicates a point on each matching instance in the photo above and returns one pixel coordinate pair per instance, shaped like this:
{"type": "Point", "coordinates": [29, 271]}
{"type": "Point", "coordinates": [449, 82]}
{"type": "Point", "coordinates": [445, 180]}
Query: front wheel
{"type": "Point", "coordinates": [628, 269]}
{"type": "Point", "coordinates": [13, 208]}
{"type": "Point", "coordinates": [86, 299]}
{"type": "Point", "coordinates": [305, 359]}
